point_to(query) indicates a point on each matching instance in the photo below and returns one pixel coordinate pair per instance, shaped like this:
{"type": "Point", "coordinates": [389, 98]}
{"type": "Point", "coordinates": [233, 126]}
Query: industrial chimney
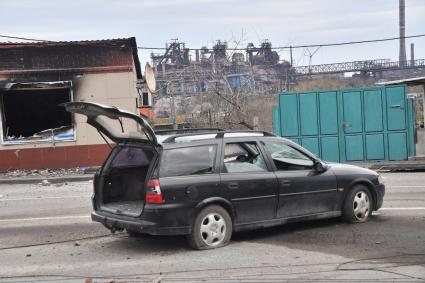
{"type": "Point", "coordinates": [402, 23]}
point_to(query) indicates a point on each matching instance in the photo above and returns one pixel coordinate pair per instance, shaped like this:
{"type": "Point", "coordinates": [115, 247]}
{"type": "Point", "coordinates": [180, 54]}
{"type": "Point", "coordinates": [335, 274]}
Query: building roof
{"type": "Point", "coordinates": [64, 55]}
{"type": "Point", "coordinates": [116, 41]}
{"type": "Point", "coordinates": [409, 81]}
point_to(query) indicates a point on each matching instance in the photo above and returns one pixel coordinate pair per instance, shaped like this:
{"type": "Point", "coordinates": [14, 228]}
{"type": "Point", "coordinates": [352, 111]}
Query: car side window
{"type": "Point", "coordinates": [286, 157]}
{"type": "Point", "coordinates": [194, 160]}
{"type": "Point", "coordinates": [243, 157]}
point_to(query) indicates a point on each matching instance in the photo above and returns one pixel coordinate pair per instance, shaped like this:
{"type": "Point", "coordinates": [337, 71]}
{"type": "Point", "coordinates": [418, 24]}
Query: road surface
{"type": "Point", "coordinates": [46, 235]}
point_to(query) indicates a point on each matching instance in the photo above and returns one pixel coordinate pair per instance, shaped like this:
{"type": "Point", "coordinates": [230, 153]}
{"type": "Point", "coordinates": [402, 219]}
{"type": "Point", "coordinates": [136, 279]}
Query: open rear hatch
{"type": "Point", "coordinates": [120, 186]}
{"type": "Point", "coordinates": [110, 121]}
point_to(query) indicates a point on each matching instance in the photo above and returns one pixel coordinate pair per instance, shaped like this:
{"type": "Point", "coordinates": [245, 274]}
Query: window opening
{"type": "Point", "coordinates": [243, 157]}
{"type": "Point", "coordinates": [286, 157]}
{"type": "Point", "coordinates": [194, 160]}
{"type": "Point", "coordinates": [34, 115]}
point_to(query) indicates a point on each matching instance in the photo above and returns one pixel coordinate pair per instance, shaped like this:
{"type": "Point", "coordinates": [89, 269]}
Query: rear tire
{"type": "Point", "coordinates": [357, 205]}
{"type": "Point", "coordinates": [212, 229]}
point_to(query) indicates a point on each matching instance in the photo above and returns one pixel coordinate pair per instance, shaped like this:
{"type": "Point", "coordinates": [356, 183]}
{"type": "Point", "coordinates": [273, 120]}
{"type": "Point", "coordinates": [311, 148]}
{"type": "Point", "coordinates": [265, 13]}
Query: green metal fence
{"type": "Point", "coordinates": [348, 125]}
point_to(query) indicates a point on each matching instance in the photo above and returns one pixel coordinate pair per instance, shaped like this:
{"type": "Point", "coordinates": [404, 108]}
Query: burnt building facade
{"type": "Point", "coordinates": [35, 78]}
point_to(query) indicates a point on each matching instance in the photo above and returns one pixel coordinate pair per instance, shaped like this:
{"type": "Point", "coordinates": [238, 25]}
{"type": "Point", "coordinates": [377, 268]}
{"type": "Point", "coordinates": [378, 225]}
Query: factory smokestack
{"type": "Point", "coordinates": [402, 23]}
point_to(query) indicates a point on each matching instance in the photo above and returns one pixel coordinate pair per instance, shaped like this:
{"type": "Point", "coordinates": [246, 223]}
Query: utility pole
{"type": "Point", "coordinates": [173, 112]}
{"type": "Point", "coordinates": [290, 54]}
{"type": "Point", "coordinates": [310, 55]}
{"type": "Point", "coordinates": [289, 70]}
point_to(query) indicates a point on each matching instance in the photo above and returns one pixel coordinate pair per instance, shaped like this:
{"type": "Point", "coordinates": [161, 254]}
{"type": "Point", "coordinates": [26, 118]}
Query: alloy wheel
{"type": "Point", "coordinates": [213, 229]}
{"type": "Point", "coordinates": [361, 206]}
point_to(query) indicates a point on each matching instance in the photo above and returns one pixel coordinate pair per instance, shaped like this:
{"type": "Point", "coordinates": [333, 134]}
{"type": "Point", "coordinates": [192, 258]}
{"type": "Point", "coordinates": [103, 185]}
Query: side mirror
{"type": "Point", "coordinates": [319, 166]}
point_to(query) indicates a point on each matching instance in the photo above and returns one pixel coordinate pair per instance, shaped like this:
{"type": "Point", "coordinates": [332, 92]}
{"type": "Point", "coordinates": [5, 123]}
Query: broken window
{"type": "Point", "coordinates": [31, 113]}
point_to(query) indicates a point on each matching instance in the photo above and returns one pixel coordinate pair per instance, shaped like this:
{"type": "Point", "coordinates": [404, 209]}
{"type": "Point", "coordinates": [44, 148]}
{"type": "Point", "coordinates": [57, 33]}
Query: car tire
{"type": "Point", "coordinates": [357, 205]}
{"type": "Point", "coordinates": [212, 229]}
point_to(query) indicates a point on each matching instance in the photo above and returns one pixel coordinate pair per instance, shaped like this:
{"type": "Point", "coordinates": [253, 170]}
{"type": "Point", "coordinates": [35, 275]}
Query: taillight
{"type": "Point", "coordinates": [153, 192]}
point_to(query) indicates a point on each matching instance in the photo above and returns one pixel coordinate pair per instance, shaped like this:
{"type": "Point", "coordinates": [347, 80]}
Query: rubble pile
{"type": "Point", "coordinates": [47, 173]}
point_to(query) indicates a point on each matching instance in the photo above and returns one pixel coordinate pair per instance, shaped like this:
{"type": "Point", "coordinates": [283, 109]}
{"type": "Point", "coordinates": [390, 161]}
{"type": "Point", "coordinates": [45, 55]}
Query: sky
{"type": "Point", "coordinates": [203, 22]}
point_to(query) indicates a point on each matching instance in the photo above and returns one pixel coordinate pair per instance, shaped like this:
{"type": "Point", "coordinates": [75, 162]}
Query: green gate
{"type": "Point", "coordinates": [349, 124]}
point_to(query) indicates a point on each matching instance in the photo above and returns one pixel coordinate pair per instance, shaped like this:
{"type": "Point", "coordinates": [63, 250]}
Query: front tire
{"type": "Point", "coordinates": [212, 228]}
{"type": "Point", "coordinates": [357, 205]}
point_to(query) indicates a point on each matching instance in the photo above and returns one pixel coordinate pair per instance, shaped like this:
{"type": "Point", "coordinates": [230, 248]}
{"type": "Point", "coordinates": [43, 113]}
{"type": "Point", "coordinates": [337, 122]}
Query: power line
{"type": "Point", "coordinates": [309, 45]}
{"type": "Point", "coordinates": [243, 49]}
{"type": "Point", "coordinates": [24, 38]}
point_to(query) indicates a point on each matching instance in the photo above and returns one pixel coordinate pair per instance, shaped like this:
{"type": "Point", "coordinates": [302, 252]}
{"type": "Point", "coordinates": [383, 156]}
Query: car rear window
{"type": "Point", "coordinates": [131, 157]}
{"type": "Point", "coordinates": [192, 160]}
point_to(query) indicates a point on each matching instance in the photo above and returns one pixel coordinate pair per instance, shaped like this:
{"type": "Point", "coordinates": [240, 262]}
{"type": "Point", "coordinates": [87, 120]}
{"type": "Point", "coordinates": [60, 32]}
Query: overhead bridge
{"type": "Point", "coordinates": [377, 65]}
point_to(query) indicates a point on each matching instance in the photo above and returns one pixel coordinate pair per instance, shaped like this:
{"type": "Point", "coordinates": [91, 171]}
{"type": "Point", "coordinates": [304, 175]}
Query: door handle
{"type": "Point", "coordinates": [285, 183]}
{"type": "Point", "coordinates": [233, 186]}
{"type": "Point", "coordinates": [397, 106]}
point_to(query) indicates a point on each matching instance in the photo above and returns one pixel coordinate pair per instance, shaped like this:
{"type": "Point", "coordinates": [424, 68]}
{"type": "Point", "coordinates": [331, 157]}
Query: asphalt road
{"type": "Point", "coordinates": [46, 235]}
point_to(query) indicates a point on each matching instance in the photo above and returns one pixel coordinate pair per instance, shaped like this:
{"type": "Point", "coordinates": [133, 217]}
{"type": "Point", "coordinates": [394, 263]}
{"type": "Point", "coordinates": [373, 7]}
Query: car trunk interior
{"type": "Point", "coordinates": [123, 180]}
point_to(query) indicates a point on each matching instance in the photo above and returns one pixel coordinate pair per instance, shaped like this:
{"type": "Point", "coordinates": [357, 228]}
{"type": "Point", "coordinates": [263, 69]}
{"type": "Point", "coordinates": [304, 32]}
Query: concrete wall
{"type": "Point", "coordinates": [117, 89]}
{"type": "Point", "coordinates": [420, 146]}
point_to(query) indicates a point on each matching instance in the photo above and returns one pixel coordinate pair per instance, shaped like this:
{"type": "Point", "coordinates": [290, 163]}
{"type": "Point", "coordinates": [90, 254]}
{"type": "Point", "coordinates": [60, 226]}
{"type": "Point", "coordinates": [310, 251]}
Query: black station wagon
{"type": "Point", "coordinates": [207, 184]}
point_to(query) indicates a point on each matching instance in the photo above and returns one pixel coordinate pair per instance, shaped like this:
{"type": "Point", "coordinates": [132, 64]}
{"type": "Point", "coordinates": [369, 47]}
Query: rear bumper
{"type": "Point", "coordinates": [112, 221]}
{"type": "Point", "coordinates": [380, 192]}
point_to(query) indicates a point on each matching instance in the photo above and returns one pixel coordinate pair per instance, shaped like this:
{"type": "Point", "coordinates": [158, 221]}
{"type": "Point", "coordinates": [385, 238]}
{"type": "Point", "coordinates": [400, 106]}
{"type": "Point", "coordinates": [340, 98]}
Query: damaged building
{"type": "Point", "coordinates": [35, 78]}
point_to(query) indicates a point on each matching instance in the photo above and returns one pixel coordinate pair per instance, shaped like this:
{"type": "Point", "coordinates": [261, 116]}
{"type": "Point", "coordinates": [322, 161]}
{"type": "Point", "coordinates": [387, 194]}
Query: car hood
{"type": "Point", "coordinates": [348, 169]}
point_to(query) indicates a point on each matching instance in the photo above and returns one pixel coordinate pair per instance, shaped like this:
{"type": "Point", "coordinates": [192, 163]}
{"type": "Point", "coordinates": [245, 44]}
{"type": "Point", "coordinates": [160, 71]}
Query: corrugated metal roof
{"type": "Point", "coordinates": [114, 41]}
{"type": "Point", "coordinates": [409, 81]}
{"type": "Point", "coordinates": [8, 50]}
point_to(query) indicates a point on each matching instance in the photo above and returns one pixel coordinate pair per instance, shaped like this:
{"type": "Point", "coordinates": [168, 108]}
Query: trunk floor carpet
{"type": "Point", "coordinates": [128, 207]}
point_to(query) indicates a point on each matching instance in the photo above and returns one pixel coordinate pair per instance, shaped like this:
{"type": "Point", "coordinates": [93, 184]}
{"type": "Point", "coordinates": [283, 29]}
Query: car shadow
{"type": "Point", "coordinates": [146, 244]}
{"type": "Point", "coordinates": [286, 230]}
{"type": "Point", "coordinates": [375, 237]}
{"type": "Point", "coordinates": [316, 235]}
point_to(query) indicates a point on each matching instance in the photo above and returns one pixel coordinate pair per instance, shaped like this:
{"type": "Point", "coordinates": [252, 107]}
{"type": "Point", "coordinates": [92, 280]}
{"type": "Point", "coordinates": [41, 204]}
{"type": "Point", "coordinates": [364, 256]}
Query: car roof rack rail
{"type": "Point", "coordinates": [186, 130]}
{"type": "Point", "coordinates": [219, 133]}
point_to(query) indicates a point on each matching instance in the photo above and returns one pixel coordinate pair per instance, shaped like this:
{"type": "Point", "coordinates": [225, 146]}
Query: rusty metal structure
{"type": "Point", "coordinates": [262, 55]}
{"type": "Point", "coordinates": [260, 68]}
{"type": "Point", "coordinates": [367, 67]}
{"type": "Point", "coordinates": [185, 84]}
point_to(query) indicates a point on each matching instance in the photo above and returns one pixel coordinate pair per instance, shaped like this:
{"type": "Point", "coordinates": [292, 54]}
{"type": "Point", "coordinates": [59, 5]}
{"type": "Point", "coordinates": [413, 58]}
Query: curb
{"type": "Point", "coordinates": [393, 167]}
{"type": "Point", "coordinates": [383, 167]}
{"type": "Point", "coordinates": [52, 180]}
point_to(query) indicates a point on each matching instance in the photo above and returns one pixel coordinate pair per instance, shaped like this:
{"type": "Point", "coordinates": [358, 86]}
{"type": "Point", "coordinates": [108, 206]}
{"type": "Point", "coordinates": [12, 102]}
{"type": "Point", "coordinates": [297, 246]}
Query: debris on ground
{"type": "Point", "coordinates": [48, 173]}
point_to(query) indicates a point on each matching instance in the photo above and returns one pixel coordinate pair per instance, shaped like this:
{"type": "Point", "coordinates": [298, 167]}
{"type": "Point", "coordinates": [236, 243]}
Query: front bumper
{"type": "Point", "coordinates": [118, 222]}
{"type": "Point", "coordinates": [380, 192]}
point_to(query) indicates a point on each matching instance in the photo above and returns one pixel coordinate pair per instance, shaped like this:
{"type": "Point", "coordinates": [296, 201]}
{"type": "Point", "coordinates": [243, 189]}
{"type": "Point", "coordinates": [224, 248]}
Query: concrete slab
{"type": "Point", "coordinates": [394, 166]}
{"type": "Point", "coordinates": [420, 146]}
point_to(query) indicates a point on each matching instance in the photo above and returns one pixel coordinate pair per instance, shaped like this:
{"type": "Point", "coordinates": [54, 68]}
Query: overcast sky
{"type": "Point", "coordinates": [202, 22]}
